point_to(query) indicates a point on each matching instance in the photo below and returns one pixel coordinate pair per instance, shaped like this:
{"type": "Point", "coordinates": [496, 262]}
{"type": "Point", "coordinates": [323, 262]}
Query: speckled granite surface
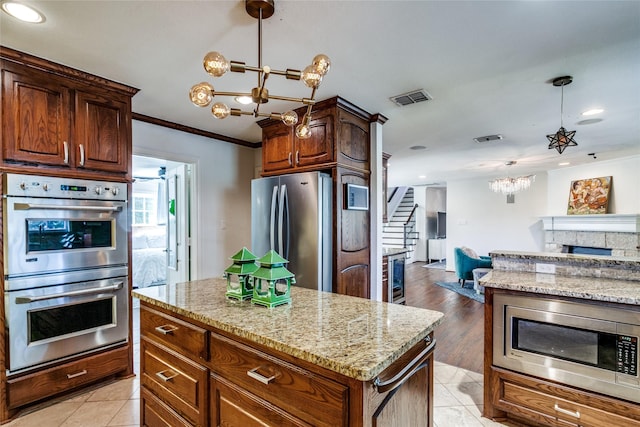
{"type": "Point", "coordinates": [605, 267]}
{"type": "Point", "coordinates": [591, 288]}
{"type": "Point", "coordinates": [387, 251]}
{"type": "Point", "coordinates": [355, 337]}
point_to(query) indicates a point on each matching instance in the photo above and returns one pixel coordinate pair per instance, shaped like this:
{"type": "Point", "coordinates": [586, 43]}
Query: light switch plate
{"type": "Point", "coordinates": [545, 268]}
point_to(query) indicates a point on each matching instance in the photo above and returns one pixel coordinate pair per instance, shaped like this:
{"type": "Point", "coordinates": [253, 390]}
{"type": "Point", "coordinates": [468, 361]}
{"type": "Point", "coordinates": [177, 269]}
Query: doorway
{"type": "Point", "coordinates": [161, 222]}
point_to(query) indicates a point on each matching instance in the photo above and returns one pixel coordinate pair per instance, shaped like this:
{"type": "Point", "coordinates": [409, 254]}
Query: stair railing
{"type": "Point", "coordinates": [409, 226]}
{"type": "Point", "coordinates": [397, 194]}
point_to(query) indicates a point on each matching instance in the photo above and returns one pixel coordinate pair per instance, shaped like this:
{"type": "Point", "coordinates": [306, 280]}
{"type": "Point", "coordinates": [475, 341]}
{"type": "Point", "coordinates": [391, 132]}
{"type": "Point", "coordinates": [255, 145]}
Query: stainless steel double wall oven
{"type": "Point", "coordinates": [65, 268]}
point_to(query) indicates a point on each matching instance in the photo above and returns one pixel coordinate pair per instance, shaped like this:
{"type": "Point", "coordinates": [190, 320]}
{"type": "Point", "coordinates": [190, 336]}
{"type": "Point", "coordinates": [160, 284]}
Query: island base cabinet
{"type": "Point", "coordinates": [539, 402]}
{"type": "Point", "coordinates": [232, 406]}
{"type": "Point", "coordinates": [155, 413]}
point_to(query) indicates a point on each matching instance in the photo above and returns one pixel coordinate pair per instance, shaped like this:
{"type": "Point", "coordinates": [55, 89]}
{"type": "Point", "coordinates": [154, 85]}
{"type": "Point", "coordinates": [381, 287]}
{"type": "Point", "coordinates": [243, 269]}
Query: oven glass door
{"type": "Point", "coordinates": [49, 323]}
{"type": "Point", "coordinates": [55, 235]}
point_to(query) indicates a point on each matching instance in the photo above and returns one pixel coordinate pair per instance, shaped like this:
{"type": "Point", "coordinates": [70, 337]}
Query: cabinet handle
{"type": "Point", "coordinates": [77, 374]}
{"type": "Point", "coordinates": [297, 157]}
{"type": "Point", "coordinates": [65, 148]}
{"type": "Point", "coordinates": [290, 155]}
{"type": "Point", "coordinates": [575, 414]}
{"type": "Point", "coordinates": [164, 377]}
{"type": "Point", "coordinates": [81, 154]}
{"type": "Point", "coordinates": [253, 373]}
{"type": "Point", "coordinates": [166, 329]}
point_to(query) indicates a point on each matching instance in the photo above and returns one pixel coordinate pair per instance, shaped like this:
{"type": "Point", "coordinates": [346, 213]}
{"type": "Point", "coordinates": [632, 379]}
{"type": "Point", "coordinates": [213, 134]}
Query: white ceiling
{"type": "Point", "coordinates": [487, 65]}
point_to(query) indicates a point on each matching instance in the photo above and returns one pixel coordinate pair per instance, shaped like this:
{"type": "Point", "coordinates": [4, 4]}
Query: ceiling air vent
{"type": "Point", "coordinates": [413, 97]}
{"type": "Point", "coordinates": [488, 138]}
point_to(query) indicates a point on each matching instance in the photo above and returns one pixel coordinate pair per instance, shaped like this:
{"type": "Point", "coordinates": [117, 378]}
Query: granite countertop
{"type": "Point", "coordinates": [590, 288]}
{"type": "Point", "coordinates": [388, 251]}
{"type": "Point", "coordinates": [355, 337]}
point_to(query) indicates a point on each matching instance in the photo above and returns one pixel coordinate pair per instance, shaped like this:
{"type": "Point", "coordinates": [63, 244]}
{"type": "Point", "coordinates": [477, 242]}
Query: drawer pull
{"type": "Point", "coordinates": [164, 377]}
{"type": "Point", "coordinates": [166, 329]}
{"type": "Point", "coordinates": [77, 374]}
{"type": "Point", "coordinates": [575, 414]}
{"type": "Point", "coordinates": [253, 373]}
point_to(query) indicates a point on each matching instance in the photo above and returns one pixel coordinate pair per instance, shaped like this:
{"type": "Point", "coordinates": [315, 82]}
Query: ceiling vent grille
{"type": "Point", "coordinates": [488, 138]}
{"type": "Point", "coordinates": [413, 97]}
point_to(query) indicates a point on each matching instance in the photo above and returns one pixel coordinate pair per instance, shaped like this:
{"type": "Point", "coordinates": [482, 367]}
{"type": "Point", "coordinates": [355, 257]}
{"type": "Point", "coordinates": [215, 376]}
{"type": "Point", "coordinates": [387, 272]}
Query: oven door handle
{"type": "Point", "coordinates": [28, 206]}
{"type": "Point", "coordinates": [115, 287]}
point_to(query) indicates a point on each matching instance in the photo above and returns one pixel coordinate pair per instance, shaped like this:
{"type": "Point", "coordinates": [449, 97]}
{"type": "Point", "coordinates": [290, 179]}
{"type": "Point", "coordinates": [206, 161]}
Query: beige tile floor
{"type": "Point", "coordinates": [457, 401]}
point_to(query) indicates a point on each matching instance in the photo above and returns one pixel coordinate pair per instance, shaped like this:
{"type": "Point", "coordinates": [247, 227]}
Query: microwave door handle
{"type": "Point", "coordinates": [272, 217]}
{"type": "Point", "coordinates": [29, 206]}
{"type": "Point", "coordinates": [26, 300]}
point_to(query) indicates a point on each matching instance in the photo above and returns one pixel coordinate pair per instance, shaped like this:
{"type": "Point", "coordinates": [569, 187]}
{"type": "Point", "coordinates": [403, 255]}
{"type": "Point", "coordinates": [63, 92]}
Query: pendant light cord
{"type": "Point", "coordinates": [561, 104]}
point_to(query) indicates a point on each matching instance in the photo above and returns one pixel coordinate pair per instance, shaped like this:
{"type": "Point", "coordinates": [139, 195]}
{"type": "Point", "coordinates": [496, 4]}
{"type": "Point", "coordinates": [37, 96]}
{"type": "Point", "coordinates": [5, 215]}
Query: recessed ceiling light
{"type": "Point", "coordinates": [564, 164]}
{"type": "Point", "coordinates": [245, 100]}
{"type": "Point", "coordinates": [592, 112]}
{"type": "Point", "coordinates": [422, 176]}
{"type": "Point", "coordinates": [23, 12]}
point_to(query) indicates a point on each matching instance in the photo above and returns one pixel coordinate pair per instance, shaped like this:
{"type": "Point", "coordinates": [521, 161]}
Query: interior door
{"type": "Point", "coordinates": [178, 225]}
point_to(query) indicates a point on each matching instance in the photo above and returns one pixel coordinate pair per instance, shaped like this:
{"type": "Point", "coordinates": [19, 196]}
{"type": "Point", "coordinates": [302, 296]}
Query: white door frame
{"type": "Point", "coordinates": [193, 216]}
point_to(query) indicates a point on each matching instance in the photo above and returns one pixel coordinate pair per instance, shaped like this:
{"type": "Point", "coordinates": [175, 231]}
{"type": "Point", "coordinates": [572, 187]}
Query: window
{"type": "Point", "coordinates": [144, 209]}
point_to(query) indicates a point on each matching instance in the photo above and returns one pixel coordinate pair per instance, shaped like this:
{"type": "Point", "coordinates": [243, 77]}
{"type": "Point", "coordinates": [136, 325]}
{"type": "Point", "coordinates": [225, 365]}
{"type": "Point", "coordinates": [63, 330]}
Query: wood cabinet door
{"type": "Point", "coordinates": [319, 148]}
{"type": "Point", "coordinates": [35, 119]}
{"type": "Point", "coordinates": [102, 133]}
{"type": "Point", "coordinates": [232, 405]}
{"type": "Point", "coordinates": [277, 148]}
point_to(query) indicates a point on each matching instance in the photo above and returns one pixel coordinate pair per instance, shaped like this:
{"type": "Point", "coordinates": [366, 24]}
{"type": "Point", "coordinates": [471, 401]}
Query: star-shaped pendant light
{"type": "Point", "coordinates": [562, 139]}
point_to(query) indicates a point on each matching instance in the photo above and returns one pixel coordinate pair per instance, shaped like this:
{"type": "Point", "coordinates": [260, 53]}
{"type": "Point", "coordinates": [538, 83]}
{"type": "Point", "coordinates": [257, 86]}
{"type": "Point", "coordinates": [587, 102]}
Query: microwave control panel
{"type": "Point", "coordinates": [627, 352]}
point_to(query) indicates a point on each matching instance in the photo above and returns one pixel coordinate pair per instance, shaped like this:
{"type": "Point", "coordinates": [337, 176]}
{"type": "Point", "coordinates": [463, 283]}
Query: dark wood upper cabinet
{"type": "Point", "coordinates": [36, 118]}
{"type": "Point", "coordinates": [102, 132]}
{"type": "Point", "coordinates": [63, 119]}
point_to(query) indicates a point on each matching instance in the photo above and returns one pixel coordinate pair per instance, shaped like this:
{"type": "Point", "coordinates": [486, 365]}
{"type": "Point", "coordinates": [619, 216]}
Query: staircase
{"type": "Point", "coordinates": [400, 231]}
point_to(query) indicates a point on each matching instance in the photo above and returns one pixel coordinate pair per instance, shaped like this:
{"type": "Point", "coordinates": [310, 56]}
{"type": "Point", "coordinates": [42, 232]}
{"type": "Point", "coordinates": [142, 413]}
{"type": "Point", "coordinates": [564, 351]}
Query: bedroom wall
{"type": "Point", "coordinates": [222, 199]}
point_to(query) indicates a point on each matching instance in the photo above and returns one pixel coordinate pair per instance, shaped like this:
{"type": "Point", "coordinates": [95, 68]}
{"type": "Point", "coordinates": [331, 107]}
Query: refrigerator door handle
{"type": "Point", "coordinates": [283, 249]}
{"type": "Point", "coordinates": [272, 227]}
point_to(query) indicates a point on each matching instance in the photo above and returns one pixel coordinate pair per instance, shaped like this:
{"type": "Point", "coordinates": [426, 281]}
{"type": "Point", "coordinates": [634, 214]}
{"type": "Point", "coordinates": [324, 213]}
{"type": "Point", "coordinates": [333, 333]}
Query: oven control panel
{"type": "Point", "coordinates": [63, 188]}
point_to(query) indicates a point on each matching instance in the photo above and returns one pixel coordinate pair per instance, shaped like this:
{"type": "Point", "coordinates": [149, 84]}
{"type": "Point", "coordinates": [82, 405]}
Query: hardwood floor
{"type": "Point", "coordinates": [460, 336]}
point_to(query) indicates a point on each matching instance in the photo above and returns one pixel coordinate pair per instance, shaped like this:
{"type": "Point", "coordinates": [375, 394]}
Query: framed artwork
{"type": "Point", "coordinates": [589, 196]}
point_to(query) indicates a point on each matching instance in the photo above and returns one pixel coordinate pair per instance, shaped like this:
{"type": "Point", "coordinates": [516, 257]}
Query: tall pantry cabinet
{"type": "Point", "coordinates": [340, 146]}
{"type": "Point", "coordinates": [62, 122]}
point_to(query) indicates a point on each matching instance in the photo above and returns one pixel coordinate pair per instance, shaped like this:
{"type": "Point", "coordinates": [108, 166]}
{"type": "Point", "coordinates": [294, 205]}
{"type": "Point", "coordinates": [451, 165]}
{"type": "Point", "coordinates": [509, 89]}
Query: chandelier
{"type": "Point", "coordinates": [510, 185]}
{"type": "Point", "coordinates": [202, 94]}
{"type": "Point", "coordinates": [562, 139]}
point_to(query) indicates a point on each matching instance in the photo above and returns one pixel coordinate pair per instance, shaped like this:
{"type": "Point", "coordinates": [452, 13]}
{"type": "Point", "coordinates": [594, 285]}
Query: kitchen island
{"type": "Point", "coordinates": [550, 321]}
{"type": "Point", "coordinates": [325, 359]}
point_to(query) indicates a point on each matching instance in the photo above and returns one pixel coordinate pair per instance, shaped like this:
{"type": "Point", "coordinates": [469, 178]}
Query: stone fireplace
{"type": "Point", "coordinates": [619, 234]}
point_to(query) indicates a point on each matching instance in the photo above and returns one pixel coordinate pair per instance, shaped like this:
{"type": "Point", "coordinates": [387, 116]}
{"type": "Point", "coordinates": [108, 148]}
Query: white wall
{"type": "Point", "coordinates": [624, 197]}
{"type": "Point", "coordinates": [482, 220]}
{"type": "Point", "coordinates": [223, 190]}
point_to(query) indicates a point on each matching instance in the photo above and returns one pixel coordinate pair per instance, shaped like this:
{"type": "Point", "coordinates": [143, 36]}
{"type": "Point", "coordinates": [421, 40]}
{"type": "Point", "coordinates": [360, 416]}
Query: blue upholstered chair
{"type": "Point", "coordinates": [466, 260]}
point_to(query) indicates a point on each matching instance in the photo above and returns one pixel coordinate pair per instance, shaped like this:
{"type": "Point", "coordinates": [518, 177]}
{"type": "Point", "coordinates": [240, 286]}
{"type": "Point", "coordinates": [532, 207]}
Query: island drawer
{"type": "Point", "coordinates": [542, 401]}
{"type": "Point", "coordinates": [281, 383]}
{"type": "Point", "coordinates": [155, 413]}
{"type": "Point", "coordinates": [174, 333]}
{"type": "Point", "coordinates": [178, 381]}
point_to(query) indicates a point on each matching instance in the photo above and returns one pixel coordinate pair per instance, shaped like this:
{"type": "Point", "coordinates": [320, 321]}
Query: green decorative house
{"type": "Point", "coordinates": [272, 281]}
{"type": "Point", "coordinates": [239, 273]}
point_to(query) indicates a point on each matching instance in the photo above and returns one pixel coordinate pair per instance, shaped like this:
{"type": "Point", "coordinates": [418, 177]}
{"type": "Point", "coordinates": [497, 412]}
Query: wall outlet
{"type": "Point", "coordinates": [545, 268]}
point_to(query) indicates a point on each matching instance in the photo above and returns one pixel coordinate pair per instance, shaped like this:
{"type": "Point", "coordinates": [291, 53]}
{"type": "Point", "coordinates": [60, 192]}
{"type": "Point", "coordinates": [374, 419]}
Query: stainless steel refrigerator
{"type": "Point", "coordinates": [292, 214]}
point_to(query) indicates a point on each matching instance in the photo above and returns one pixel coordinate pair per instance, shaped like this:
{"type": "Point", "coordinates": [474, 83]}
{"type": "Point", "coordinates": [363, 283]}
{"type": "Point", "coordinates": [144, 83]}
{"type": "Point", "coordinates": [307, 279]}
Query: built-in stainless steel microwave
{"type": "Point", "coordinates": [587, 345]}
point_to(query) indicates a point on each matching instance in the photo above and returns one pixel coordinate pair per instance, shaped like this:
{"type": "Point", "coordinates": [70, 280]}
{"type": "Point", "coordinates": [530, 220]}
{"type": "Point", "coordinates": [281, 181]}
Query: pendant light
{"type": "Point", "coordinates": [563, 138]}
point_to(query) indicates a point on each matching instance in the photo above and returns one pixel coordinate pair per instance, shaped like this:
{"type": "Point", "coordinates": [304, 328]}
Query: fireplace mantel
{"type": "Point", "coordinates": [621, 223]}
